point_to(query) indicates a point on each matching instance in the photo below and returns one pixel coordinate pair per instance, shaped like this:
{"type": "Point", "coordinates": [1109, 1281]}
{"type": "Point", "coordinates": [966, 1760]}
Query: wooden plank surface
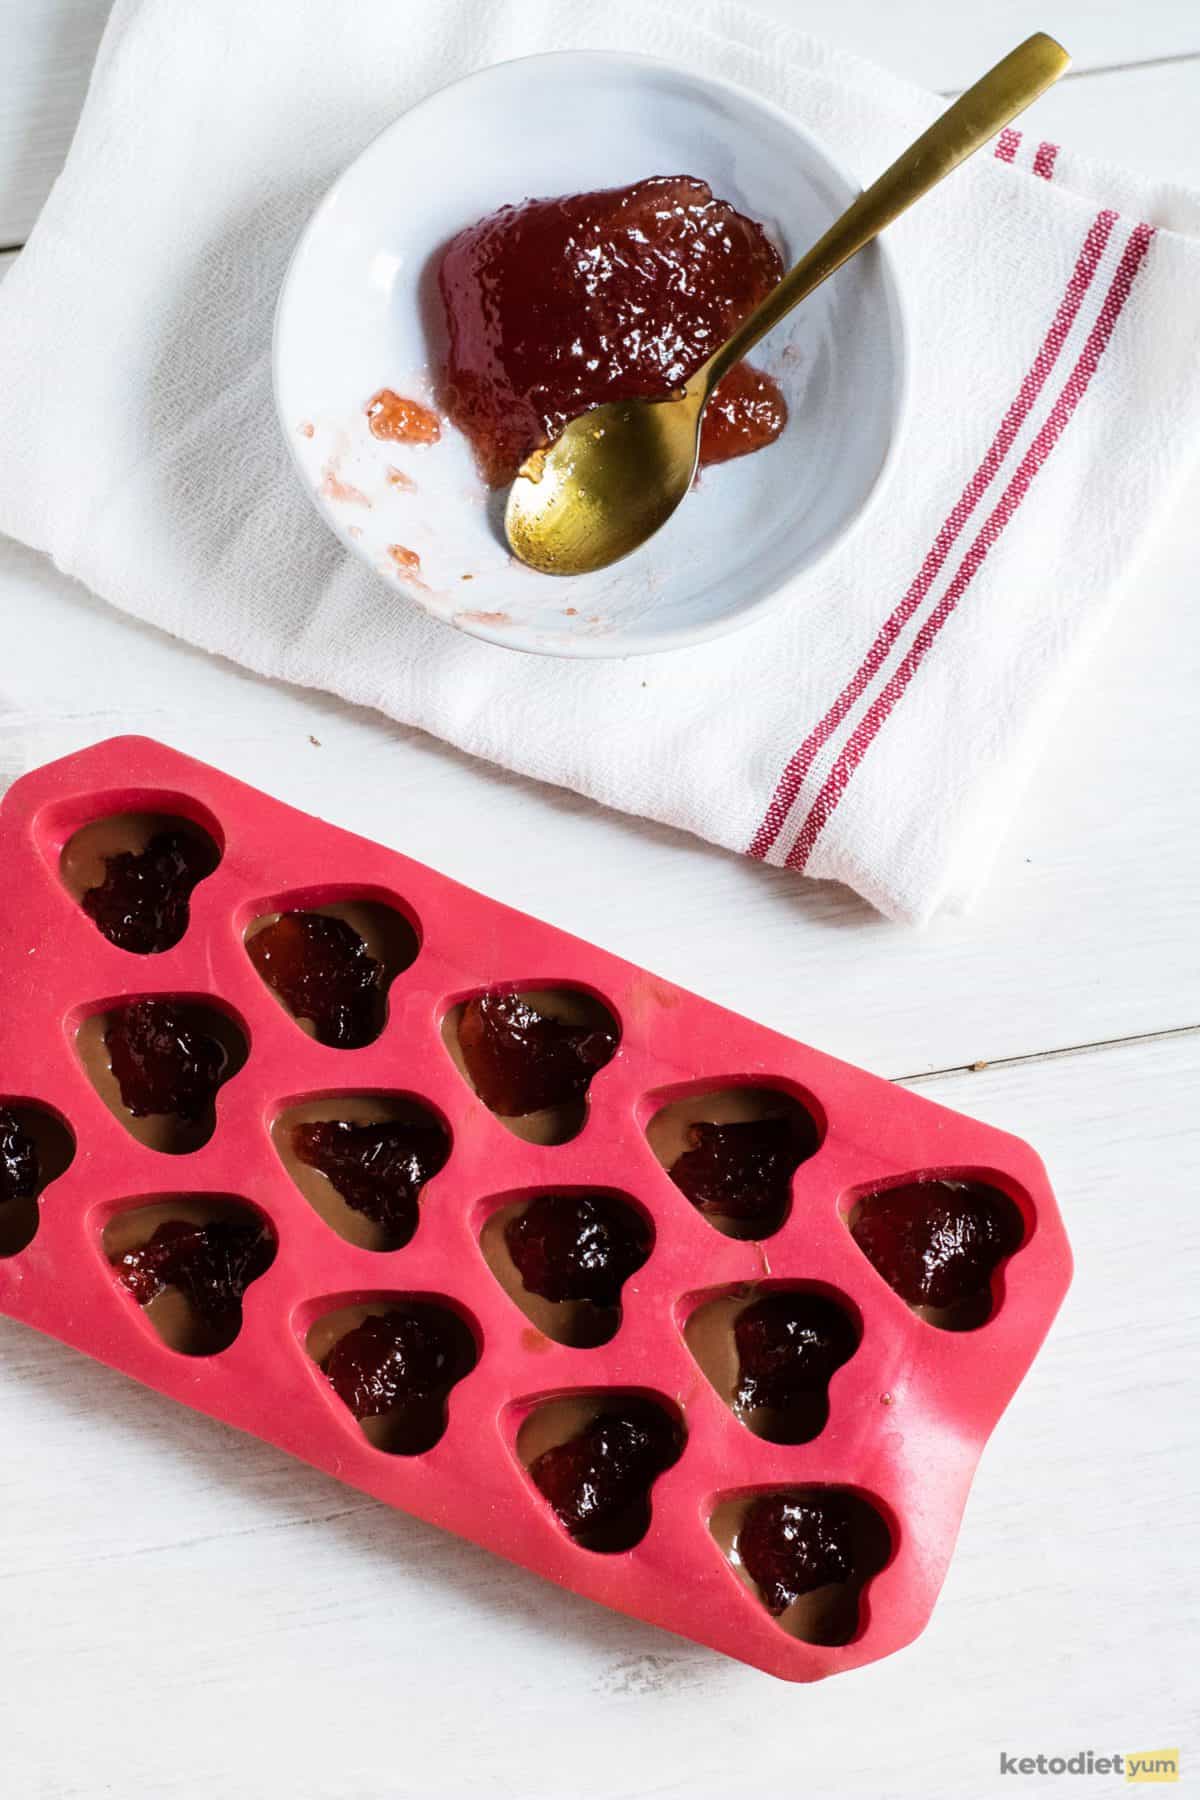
{"type": "Point", "coordinates": [224, 1621]}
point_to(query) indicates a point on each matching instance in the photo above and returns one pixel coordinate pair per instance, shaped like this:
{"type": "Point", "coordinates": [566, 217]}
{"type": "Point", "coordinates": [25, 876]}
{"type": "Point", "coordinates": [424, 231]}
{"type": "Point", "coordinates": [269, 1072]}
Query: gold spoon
{"type": "Point", "coordinates": [617, 472]}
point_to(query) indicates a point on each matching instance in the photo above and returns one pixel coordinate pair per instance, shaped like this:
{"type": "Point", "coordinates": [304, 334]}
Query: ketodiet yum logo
{"type": "Point", "coordinates": [1134, 1765]}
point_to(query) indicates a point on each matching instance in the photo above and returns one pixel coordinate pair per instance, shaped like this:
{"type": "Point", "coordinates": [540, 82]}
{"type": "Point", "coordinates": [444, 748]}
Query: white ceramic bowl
{"type": "Point", "coordinates": [359, 311]}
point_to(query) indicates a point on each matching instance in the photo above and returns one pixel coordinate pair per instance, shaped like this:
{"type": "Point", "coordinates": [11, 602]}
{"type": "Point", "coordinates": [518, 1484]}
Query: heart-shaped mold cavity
{"type": "Point", "coordinates": [771, 1351]}
{"type": "Point", "coordinates": [133, 874]}
{"type": "Point", "coordinates": [530, 1055]}
{"type": "Point", "coordinates": [362, 1161]}
{"type": "Point", "coordinates": [806, 1553]}
{"type": "Point", "coordinates": [36, 1147]}
{"type": "Point", "coordinates": [594, 1457]}
{"type": "Point", "coordinates": [187, 1261]}
{"type": "Point", "coordinates": [392, 1361]}
{"type": "Point", "coordinates": [564, 1255]}
{"type": "Point", "coordinates": [732, 1150]}
{"type": "Point", "coordinates": [157, 1064]}
{"type": "Point", "coordinates": [330, 964]}
{"type": "Point", "coordinates": [939, 1242]}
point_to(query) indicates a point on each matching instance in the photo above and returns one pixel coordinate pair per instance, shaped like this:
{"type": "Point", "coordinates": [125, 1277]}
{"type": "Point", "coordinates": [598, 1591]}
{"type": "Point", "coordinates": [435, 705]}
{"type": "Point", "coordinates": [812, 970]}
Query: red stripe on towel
{"type": "Point", "coordinates": [1074, 389]}
{"type": "Point", "coordinates": [1008, 143]}
{"type": "Point", "coordinates": [1043, 162]}
{"type": "Point", "coordinates": [788, 786]}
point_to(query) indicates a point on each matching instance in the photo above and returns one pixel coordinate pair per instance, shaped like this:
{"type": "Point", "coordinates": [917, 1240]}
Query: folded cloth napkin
{"type": "Point", "coordinates": [881, 733]}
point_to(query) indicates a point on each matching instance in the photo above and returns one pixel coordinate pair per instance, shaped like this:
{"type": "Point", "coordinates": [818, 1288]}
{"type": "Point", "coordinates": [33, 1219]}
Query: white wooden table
{"type": "Point", "coordinates": [187, 1613]}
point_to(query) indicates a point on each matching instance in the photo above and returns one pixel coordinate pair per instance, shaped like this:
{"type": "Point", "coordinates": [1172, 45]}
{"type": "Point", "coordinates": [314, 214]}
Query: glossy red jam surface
{"type": "Point", "coordinates": [743, 1171]}
{"type": "Point", "coordinates": [320, 968]}
{"type": "Point", "coordinates": [142, 903]}
{"type": "Point", "coordinates": [210, 1265]}
{"type": "Point", "coordinates": [401, 421]}
{"type": "Point", "coordinates": [938, 1242]}
{"type": "Point", "coordinates": [19, 1168]}
{"type": "Point", "coordinates": [578, 1246]}
{"type": "Point", "coordinates": [558, 305]}
{"type": "Point", "coordinates": [378, 1169]}
{"type": "Point", "coordinates": [790, 1545]}
{"type": "Point", "coordinates": [403, 1363]}
{"type": "Point", "coordinates": [163, 1060]}
{"type": "Point", "coordinates": [521, 1061]}
{"type": "Point", "coordinates": [599, 1481]}
{"type": "Point", "coordinates": [789, 1344]}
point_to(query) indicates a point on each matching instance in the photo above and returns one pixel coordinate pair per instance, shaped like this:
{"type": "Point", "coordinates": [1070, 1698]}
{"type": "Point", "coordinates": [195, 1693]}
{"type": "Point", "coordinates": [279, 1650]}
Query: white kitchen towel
{"type": "Point", "coordinates": [881, 734]}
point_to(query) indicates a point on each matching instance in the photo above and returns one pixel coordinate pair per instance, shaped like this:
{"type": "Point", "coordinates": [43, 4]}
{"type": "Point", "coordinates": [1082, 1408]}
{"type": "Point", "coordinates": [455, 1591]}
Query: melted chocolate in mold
{"type": "Point", "coordinates": [814, 1551]}
{"type": "Point", "coordinates": [614, 1238]}
{"type": "Point", "coordinates": [938, 1243]}
{"type": "Point", "coordinates": [35, 1149]}
{"type": "Point", "coordinates": [713, 1173]}
{"type": "Point", "coordinates": [595, 1457]}
{"type": "Point", "coordinates": [393, 1362]}
{"type": "Point", "coordinates": [557, 305]}
{"type": "Point", "coordinates": [181, 1027]}
{"type": "Point", "coordinates": [593, 1032]}
{"type": "Point", "coordinates": [187, 1262]}
{"type": "Point", "coordinates": [395, 1223]}
{"type": "Point", "coordinates": [343, 970]}
{"type": "Point", "coordinates": [770, 1353]}
{"type": "Point", "coordinates": [133, 874]}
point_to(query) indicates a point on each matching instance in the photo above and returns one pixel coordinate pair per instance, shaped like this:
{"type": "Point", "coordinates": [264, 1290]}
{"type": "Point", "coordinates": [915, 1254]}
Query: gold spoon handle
{"type": "Point", "coordinates": [962, 129]}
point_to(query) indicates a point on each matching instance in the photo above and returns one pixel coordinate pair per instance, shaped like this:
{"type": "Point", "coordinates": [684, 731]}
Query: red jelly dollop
{"type": "Point", "coordinates": [555, 306]}
{"type": "Point", "coordinates": [378, 1169]}
{"type": "Point", "coordinates": [743, 1171]}
{"type": "Point", "coordinates": [789, 1546]}
{"type": "Point", "coordinates": [938, 1242]}
{"type": "Point", "coordinates": [210, 1265]}
{"type": "Point", "coordinates": [788, 1347]}
{"type": "Point", "coordinates": [162, 1060]}
{"type": "Point", "coordinates": [402, 1363]}
{"type": "Point", "coordinates": [142, 903]}
{"type": "Point", "coordinates": [398, 420]}
{"type": "Point", "coordinates": [599, 1481]}
{"type": "Point", "coordinates": [521, 1061]}
{"type": "Point", "coordinates": [19, 1165]}
{"type": "Point", "coordinates": [577, 1246]}
{"type": "Point", "coordinates": [320, 968]}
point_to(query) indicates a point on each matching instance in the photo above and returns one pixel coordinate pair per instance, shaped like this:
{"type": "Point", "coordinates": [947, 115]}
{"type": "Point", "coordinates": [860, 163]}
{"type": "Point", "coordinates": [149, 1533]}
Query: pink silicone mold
{"type": "Point", "coordinates": [908, 1411]}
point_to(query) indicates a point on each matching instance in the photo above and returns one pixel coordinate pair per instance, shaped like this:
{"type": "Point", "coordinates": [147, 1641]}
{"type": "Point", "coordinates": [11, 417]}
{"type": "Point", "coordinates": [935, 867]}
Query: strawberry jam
{"type": "Point", "coordinates": [938, 1243]}
{"type": "Point", "coordinates": [400, 1365]}
{"type": "Point", "coordinates": [142, 902]}
{"type": "Point", "coordinates": [378, 1169]}
{"type": "Point", "coordinates": [321, 970]}
{"type": "Point", "coordinates": [739, 1175]}
{"type": "Point", "coordinates": [400, 421]}
{"type": "Point", "coordinates": [163, 1059]}
{"type": "Point", "coordinates": [555, 306]}
{"type": "Point", "coordinates": [790, 1545]}
{"type": "Point", "coordinates": [578, 1246]}
{"type": "Point", "coordinates": [20, 1169]}
{"type": "Point", "coordinates": [210, 1265]}
{"type": "Point", "coordinates": [521, 1060]}
{"type": "Point", "coordinates": [789, 1344]}
{"type": "Point", "coordinates": [599, 1481]}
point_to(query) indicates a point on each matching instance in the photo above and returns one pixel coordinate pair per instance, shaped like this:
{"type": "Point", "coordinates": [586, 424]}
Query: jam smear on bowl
{"type": "Point", "coordinates": [521, 1060]}
{"type": "Point", "coordinates": [599, 1479]}
{"type": "Point", "coordinates": [398, 420]}
{"type": "Point", "coordinates": [558, 305]}
{"type": "Point", "coordinates": [331, 966]}
{"type": "Point", "coordinates": [808, 1553]}
{"type": "Point", "coordinates": [938, 1244]}
{"type": "Point", "coordinates": [739, 1175]}
{"type": "Point", "coordinates": [142, 903]}
{"type": "Point", "coordinates": [789, 1344]}
{"type": "Point", "coordinates": [378, 1168]}
{"type": "Point", "coordinates": [394, 1371]}
{"type": "Point", "coordinates": [205, 1265]}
